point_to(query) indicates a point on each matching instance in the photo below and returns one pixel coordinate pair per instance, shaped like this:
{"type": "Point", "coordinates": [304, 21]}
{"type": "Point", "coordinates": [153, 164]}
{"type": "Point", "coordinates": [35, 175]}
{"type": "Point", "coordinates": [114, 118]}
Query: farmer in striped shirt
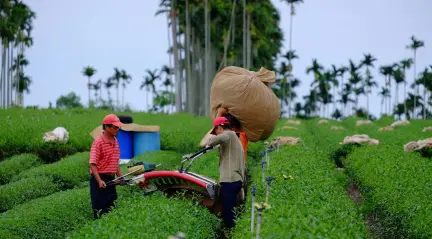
{"type": "Point", "coordinates": [104, 165]}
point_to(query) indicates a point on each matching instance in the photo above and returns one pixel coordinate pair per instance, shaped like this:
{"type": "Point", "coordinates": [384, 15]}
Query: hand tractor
{"type": "Point", "coordinates": [172, 182]}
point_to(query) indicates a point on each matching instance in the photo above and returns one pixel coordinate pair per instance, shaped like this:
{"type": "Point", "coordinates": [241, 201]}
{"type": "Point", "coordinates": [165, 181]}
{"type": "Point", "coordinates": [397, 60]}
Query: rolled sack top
{"type": "Point", "coordinates": [248, 97]}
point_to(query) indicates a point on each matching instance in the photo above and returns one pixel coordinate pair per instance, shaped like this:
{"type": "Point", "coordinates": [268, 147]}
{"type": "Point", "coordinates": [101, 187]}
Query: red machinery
{"type": "Point", "coordinates": [180, 183]}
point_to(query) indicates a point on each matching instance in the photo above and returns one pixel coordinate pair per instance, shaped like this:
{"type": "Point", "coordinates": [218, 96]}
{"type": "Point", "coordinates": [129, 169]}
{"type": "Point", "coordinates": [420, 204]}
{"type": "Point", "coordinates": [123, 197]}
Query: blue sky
{"type": "Point", "coordinates": [69, 35]}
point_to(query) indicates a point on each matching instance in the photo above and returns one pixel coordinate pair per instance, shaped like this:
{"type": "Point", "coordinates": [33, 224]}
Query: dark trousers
{"type": "Point", "coordinates": [229, 193]}
{"type": "Point", "coordinates": [102, 198]}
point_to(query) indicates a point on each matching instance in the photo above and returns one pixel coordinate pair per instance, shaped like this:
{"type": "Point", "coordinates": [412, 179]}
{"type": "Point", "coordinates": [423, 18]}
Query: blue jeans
{"type": "Point", "coordinates": [229, 193]}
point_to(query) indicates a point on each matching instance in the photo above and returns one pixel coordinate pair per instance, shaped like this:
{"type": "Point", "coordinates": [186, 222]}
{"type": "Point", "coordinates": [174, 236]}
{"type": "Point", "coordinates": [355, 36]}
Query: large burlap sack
{"type": "Point", "coordinates": [248, 97]}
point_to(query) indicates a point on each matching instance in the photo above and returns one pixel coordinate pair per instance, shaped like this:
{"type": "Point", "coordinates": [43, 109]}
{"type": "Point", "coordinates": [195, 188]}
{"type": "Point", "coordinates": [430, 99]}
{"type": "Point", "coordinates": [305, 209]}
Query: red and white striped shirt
{"type": "Point", "coordinates": [105, 155]}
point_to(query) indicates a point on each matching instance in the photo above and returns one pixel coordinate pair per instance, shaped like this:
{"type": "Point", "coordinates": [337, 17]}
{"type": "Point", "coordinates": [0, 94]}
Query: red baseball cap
{"type": "Point", "coordinates": [112, 119]}
{"type": "Point", "coordinates": [219, 121]}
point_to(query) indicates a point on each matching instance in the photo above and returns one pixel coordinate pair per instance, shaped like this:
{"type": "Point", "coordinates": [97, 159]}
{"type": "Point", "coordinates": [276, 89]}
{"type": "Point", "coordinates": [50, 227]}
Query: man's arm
{"type": "Point", "coordinates": [94, 159]}
{"type": "Point", "coordinates": [214, 140]}
{"type": "Point", "coordinates": [221, 112]}
{"type": "Point", "coordinates": [97, 176]}
{"type": "Point", "coordinates": [119, 173]}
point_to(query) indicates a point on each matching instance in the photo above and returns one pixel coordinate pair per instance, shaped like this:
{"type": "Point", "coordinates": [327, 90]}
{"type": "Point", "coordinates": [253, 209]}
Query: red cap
{"type": "Point", "coordinates": [112, 119]}
{"type": "Point", "coordinates": [219, 121]}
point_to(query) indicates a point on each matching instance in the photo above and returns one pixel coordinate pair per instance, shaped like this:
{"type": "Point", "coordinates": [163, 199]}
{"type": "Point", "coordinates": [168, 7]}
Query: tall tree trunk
{"type": "Point", "coordinates": [244, 35]}
{"type": "Point", "coordinates": [176, 58]}
{"type": "Point", "coordinates": [397, 95]}
{"type": "Point", "coordinates": [3, 75]}
{"type": "Point", "coordinates": [169, 56]}
{"type": "Point", "coordinates": [414, 80]}
{"type": "Point", "coordinates": [289, 61]}
{"type": "Point", "coordinates": [189, 81]}
{"type": "Point", "coordinates": [88, 88]}
{"type": "Point", "coordinates": [182, 69]}
{"type": "Point", "coordinates": [9, 92]}
{"type": "Point", "coordinates": [249, 42]}
{"type": "Point", "coordinates": [200, 73]}
{"type": "Point", "coordinates": [424, 98]}
{"type": "Point", "coordinates": [367, 102]}
{"type": "Point", "coordinates": [195, 72]}
{"type": "Point", "coordinates": [389, 103]}
{"type": "Point", "coordinates": [207, 59]}
{"type": "Point", "coordinates": [405, 96]}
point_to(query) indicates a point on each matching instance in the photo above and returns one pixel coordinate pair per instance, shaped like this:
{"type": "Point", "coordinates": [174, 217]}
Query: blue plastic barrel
{"type": "Point", "coordinates": [125, 141]}
{"type": "Point", "coordinates": [145, 142]}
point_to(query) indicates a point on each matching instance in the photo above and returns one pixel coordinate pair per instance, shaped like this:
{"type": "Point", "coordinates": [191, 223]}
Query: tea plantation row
{"type": "Point", "coordinates": [395, 185]}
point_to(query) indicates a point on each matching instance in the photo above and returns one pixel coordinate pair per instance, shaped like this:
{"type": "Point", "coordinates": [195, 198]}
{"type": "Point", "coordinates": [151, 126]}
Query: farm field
{"type": "Point", "coordinates": [320, 189]}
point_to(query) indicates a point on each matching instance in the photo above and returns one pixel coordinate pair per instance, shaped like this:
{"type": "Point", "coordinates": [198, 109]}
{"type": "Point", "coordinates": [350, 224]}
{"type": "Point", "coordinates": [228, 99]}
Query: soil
{"type": "Point", "coordinates": [354, 193]}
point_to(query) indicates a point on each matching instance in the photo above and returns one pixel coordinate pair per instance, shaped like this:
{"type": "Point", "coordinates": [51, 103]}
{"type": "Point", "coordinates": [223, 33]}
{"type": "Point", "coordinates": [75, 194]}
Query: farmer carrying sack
{"type": "Point", "coordinates": [248, 97]}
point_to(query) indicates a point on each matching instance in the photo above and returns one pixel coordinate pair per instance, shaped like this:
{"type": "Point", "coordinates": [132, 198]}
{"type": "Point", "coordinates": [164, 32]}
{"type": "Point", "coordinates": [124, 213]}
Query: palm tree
{"type": "Point", "coordinates": [354, 79]}
{"type": "Point", "coordinates": [15, 27]}
{"type": "Point", "coordinates": [335, 74]}
{"type": "Point", "coordinates": [149, 83]}
{"type": "Point", "coordinates": [405, 64]}
{"type": "Point", "coordinates": [126, 79]}
{"type": "Point", "coordinates": [387, 71]}
{"type": "Point", "coordinates": [96, 87]}
{"type": "Point", "coordinates": [19, 63]}
{"type": "Point", "coordinates": [398, 78]}
{"type": "Point", "coordinates": [316, 68]}
{"type": "Point", "coordinates": [22, 84]}
{"type": "Point", "coordinates": [415, 44]}
{"type": "Point", "coordinates": [116, 80]}
{"type": "Point", "coordinates": [345, 98]}
{"type": "Point", "coordinates": [426, 81]}
{"type": "Point", "coordinates": [290, 55]}
{"type": "Point", "coordinates": [384, 93]}
{"type": "Point", "coordinates": [368, 61]}
{"type": "Point", "coordinates": [369, 83]}
{"type": "Point", "coordinates": [89, 72]}
{"type": "Point", "coordinates": [108, 84]}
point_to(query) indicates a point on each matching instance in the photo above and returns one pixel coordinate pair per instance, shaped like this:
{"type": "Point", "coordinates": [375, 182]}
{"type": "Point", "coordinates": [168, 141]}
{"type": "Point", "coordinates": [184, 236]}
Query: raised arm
{"type": "Point", "coordinates": [218, 139]}
{"type": "Point", "coordinates": [221, 112]}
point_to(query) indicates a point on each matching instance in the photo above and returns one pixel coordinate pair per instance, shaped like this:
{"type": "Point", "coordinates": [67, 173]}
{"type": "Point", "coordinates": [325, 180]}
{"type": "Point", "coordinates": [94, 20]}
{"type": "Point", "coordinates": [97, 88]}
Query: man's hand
{"type": "Point", "coordinates": [102, 184]}
{"type": "Point", "coordinates": [221, 112]}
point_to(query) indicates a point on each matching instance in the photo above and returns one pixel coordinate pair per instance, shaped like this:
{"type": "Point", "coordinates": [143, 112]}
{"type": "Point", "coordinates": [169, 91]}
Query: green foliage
{"type": "Point", "coordinates": [47, 217]}
{"type": "Point", "coordinates": [23, 130]}
{"type": "Point", "coordinates": [25, 190]}
{"type": "Point", "coordinates": [67, 172]}
{"type": "Point", "coordinates": [45, 180]}
{"type": "Point", "coordinates": [310, 202]}
{"type": "Point", "coordinates": [71, 100]}
{"type": "Point", "coordinates": [154, 216]}
{"type": "Point", "coordinates": [15, 165]}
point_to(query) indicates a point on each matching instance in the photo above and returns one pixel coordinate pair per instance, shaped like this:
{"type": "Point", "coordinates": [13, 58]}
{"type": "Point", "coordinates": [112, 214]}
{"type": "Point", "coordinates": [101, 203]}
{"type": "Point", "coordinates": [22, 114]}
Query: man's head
{"type": "Point", "coordinates": [219, 125]}
{"type": "Point", "coordinates": [111, 124]}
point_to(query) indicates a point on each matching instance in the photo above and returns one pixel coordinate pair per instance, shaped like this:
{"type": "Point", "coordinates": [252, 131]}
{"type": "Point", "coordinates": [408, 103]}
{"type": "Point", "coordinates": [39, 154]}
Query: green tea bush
{"type": "Point", "coordinates": [154, 216]}
{"type": "Point", "coordinates": [393, 182]}
{"type": "Point", "coordinates": [67, 172]}
{"type": "Point", "coordinates": [309, 203]}
{"type": "Point", "coordinates": [25, 190]}
{"type": "Point", "coordinates": [308, 196]}
{"type": "Point", "coordinates": [45, 180]}
{"type": "Point", "coordinates": [47, 217]}
{"type": "Point", "coordinates": [398, 186]}
{"type": "Point", "coordinates": [17, 164]}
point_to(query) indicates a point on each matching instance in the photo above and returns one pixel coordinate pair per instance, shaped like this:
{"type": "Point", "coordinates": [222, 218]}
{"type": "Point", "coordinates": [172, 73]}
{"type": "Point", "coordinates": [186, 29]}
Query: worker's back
{"type": "Point", "coordinates": [231, 164]}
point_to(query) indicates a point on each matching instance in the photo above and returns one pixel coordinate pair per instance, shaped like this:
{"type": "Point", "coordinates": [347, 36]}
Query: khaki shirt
{"type": "Point", "coordinates": [231, 163]}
